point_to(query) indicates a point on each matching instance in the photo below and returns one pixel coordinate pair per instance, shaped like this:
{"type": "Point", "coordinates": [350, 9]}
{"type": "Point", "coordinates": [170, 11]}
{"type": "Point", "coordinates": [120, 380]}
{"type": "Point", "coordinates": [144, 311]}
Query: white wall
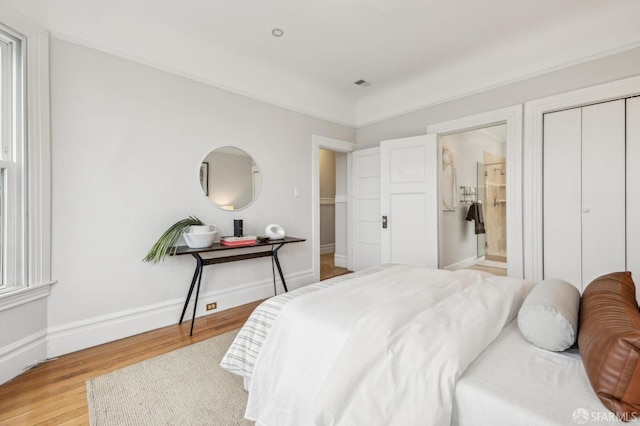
{"type": "Point", "coordinates": [459, 239]}
{"type": "Point", "coordinates": [127, 144]}
{"type": "Point", "coordinates": [613, 67]}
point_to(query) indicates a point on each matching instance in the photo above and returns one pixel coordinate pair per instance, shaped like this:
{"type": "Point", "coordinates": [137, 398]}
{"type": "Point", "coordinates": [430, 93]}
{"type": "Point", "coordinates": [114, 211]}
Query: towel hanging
{"type": "Point", "coordinates": [475, 214]}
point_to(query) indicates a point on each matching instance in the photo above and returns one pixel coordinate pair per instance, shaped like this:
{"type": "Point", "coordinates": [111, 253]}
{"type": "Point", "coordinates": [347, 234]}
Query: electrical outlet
{"type": "Point", "coordinates": [212, 306]}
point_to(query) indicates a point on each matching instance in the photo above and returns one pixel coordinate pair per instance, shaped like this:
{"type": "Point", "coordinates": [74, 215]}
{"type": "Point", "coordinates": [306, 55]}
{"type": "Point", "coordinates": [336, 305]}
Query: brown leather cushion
{"type": "Point", "coordinates": [609, 341]}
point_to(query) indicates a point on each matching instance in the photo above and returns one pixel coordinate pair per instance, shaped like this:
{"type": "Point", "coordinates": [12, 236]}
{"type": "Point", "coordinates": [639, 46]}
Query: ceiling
{"type": "Point", "coordinates": [413, 52]}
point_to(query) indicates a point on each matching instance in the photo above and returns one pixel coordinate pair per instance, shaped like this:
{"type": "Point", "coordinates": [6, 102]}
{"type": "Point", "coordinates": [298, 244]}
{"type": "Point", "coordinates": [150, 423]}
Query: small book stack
{"type": "Point", "coordinates": [238, 241]}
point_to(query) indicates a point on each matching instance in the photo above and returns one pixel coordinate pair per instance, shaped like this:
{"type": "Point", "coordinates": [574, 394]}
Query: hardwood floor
{"type": "Point", "coordinates": [494, 271]}
{"type": "Point", "coordinates": [54, 392]}
{"type": "Point", "coordinates": [328, 269]}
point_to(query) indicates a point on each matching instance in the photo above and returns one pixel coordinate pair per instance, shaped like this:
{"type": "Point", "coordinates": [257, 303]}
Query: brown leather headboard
{"type": "Point", "coordinates": [609, 341]}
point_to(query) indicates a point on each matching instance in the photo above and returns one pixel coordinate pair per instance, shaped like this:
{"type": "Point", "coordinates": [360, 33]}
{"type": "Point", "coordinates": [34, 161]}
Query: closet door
{"type": "Point", "coordinates": [562, 183]}
{"type": "Point", "coordinates": [584, 192]}
{"type": "Point", "coordinates": [603, 190]}
{"type": "Point", "coordinates": [633, 190]}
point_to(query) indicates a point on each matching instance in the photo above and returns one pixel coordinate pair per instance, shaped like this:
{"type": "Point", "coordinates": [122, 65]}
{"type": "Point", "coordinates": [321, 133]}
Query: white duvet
{"type": "Point", "coordinates": [379, 350]}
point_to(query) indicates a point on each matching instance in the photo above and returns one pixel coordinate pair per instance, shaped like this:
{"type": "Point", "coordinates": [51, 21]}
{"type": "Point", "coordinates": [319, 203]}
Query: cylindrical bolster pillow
{"type": "Point", "coordinates": [548, 317]}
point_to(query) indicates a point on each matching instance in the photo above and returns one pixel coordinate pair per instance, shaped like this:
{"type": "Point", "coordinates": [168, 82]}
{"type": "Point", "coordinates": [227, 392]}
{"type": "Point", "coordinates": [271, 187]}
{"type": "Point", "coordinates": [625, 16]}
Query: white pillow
{"type": "Point", "coordinates": [548, 318]}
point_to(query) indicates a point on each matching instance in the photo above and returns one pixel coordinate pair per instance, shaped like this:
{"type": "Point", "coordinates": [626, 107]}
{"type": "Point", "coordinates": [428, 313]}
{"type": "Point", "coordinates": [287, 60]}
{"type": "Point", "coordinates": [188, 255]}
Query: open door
{"type": "Point", "coordinates": [409, 200]}
{"type": "Point", "coordinates": [365, 170]}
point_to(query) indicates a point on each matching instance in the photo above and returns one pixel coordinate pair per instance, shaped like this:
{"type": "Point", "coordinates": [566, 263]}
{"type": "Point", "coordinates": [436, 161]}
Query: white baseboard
{"type": "Point", "coordinates": [28, 351]}
{"type": "Point", "coordinates": [95, 331]}
{"type": "Point", "coordinates": [462, 264]}
{"type": "Point", "coordinates": [327, 248]}
{"type": "Point", "coordinates": [340, 260]}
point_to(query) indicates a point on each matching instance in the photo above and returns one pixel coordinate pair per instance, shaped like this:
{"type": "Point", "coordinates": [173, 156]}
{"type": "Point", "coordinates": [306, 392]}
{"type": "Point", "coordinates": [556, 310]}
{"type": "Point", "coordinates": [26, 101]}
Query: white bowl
{"type": "Point", "coordinates": [200, 239]}
{"type": "Point", "coordinates": [201, 229]}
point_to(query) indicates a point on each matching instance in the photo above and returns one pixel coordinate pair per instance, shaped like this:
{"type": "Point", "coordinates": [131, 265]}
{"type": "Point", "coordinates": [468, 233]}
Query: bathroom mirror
{"type": "Point", "coordinates": [230, 178]}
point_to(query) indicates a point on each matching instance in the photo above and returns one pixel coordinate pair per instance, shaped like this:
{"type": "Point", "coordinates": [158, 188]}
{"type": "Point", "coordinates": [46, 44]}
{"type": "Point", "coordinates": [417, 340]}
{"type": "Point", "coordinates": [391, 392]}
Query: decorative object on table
{"type": "Point", "coordinates": [263, 238]}
{"type": "Point", "coordinates": [274, 232]}
{"type": "Point", "coordinates": [237, 228]}
{"type": "Point", "coordinates": [167, 243]}
{"type": "Point", "coordinates": [248, 240]}
{"type": "Point", "coordinates": [200, 236]}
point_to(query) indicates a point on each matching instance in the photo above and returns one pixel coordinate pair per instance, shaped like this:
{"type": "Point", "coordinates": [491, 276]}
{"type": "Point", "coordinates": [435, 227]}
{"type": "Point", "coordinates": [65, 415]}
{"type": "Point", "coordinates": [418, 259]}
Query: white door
{"type": "Point", "coordinates": [603, 190]}
{"type": "Point", "coordinates": [409, 200]}
{"type": "Point", "coordinates": [562, 196]}
{"type": "Point", "coordinates": [584, 192]}
{"type": "Point", "coordinates": [365, 166]}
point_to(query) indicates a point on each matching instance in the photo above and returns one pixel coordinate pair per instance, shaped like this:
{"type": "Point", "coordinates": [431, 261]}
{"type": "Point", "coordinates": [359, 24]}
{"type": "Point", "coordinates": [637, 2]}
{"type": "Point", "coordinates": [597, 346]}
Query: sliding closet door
{"type": "Point", "coordinates": [633, 190]}
{"type": "Point", "coordinates": [603, 190]}
{"type": "Point", "coordinates": [562, 183]}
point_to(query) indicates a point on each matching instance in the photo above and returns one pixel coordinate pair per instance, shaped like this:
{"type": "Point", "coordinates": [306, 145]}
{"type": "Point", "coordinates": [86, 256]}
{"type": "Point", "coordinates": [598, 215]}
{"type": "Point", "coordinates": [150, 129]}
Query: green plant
{"type": "Point", "coordinates": [166, 244]}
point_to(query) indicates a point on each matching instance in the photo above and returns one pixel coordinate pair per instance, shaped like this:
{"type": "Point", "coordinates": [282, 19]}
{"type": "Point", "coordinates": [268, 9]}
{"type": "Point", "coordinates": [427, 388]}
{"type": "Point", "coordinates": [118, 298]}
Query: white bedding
{"type": "Point", "coordinates": [241, 356]}
{"type": "Point", "coordinates": [384, 350]}
{"type": "Point", "coordinates": [515, 383]}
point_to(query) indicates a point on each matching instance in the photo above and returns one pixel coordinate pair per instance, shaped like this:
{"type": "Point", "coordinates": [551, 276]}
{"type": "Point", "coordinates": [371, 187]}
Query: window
{"type": "Point", "coordinates": [12, 160]}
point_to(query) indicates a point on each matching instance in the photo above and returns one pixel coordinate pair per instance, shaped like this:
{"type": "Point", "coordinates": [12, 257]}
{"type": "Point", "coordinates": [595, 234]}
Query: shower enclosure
{"type": "Point", "coordinates": [492, 193]}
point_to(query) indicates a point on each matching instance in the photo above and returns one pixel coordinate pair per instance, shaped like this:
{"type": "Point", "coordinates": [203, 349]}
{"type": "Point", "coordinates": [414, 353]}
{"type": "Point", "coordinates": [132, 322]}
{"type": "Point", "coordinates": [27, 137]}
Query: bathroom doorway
{"type": "Point", "coordinates": [474, 200]}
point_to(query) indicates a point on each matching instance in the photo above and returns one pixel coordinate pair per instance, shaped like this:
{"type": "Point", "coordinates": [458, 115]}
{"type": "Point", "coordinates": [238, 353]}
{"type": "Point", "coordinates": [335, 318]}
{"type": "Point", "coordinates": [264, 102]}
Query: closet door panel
{"type": "Point", "coordinates": [603, 190]}
{"type": "Point", "coordinates": [561, 196]}
{"type": "Point", "coordinates": [633, 190]}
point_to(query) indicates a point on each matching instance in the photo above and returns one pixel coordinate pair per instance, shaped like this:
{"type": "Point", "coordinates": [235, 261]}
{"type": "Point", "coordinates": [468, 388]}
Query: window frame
{"type": "Point", "coordinates": [35, 184]}
{"type": "Point", "coordinates": [12, 160]}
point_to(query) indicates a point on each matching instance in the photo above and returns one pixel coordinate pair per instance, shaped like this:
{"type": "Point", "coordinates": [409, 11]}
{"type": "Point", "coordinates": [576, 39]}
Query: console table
{"type": "Point", "coordinates": [272, 245]}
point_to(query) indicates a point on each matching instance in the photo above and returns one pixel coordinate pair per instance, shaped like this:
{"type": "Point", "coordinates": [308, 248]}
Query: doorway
{"type": "Point", "coordinates": [512, 118]}
{"type": "Point", "coordinates": [338, 146]}
{"type": "Point", "coordinates": [474, 200]}
{"type": "Point", "coordinates": [333, 213]}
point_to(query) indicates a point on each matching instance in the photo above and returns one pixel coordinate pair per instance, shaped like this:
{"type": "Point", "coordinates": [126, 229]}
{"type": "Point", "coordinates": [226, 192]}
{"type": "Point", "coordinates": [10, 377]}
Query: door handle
{"type": "Point", "coordinates": [384, 222]}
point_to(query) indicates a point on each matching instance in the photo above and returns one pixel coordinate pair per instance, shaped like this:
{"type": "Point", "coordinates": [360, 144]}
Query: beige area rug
{"type": "Point", "coordinates": [183, 387]}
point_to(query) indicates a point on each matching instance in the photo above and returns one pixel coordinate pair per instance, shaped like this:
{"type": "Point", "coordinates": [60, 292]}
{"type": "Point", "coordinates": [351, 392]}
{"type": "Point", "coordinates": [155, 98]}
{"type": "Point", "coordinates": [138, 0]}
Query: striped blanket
{"type": "Point", "coordinates": [241, 355]}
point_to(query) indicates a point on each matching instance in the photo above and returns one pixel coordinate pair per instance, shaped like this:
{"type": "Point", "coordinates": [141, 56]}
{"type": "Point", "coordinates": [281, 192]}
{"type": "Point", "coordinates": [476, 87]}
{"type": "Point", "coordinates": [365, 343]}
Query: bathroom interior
{"type": "Point", "coordinates": [473, 189]}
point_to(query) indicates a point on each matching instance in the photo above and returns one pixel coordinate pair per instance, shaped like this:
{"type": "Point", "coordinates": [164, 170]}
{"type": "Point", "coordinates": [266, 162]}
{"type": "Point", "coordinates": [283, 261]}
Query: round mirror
{"type": "Point", "coordinates": [230, 178]}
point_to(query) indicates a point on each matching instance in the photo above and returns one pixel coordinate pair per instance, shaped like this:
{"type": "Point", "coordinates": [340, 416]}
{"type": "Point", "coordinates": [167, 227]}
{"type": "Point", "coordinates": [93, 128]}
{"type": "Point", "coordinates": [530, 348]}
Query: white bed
{"type": "Point", "coordinates": [333, 355]}
{"type": "Point", "coordinates": [515, 383]}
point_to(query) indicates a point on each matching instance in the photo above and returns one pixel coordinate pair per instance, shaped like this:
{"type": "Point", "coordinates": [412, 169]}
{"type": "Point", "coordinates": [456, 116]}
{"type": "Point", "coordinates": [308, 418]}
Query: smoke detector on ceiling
{"type": "Point", "coordinates": [362, 83]}
{"type": "Point", "coordinates": [277, 32]}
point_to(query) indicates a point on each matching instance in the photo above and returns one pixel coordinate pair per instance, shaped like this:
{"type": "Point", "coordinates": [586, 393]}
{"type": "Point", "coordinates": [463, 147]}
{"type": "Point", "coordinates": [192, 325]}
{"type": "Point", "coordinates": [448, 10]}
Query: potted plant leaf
{"type": "Point", "coordinates": [167, 243]}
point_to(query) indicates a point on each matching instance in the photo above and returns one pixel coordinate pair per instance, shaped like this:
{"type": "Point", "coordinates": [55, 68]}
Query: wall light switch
{"type": "Point", "coordinates": [296, 192]}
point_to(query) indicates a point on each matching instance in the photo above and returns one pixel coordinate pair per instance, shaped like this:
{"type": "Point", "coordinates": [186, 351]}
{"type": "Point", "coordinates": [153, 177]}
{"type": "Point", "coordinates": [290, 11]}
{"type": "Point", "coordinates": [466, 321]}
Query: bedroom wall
{"type": "Point", "coordinates": [127, 143]}
{"type": "Point", "coordinates": [609, 68]}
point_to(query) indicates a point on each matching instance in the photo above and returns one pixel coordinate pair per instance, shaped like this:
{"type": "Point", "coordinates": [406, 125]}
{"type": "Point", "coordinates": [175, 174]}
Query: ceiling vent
{"type": "Point", "coordinates": [362, 83]}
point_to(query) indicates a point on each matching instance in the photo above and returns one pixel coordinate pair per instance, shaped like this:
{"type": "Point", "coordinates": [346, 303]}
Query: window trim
{"type": "Point", "coordinates": [35, 184]}
{"type": "Point", "coordinates": [13, 148]}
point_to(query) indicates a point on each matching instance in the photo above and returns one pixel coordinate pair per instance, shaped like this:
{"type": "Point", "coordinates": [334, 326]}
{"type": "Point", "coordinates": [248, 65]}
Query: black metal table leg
{"type": "Point", "coordinates": [275, 257]}
{"type": "Point", "coordinates": [195, 303]}
{"type": "Point", "coordinates": [193, 284]}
